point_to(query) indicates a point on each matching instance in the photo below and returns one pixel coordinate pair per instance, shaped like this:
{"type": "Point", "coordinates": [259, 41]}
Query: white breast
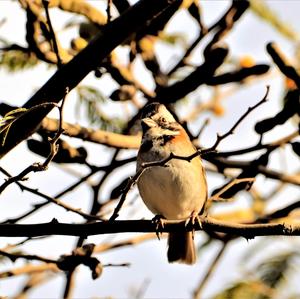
{"type": "Point", "coordinates": [176, 191]}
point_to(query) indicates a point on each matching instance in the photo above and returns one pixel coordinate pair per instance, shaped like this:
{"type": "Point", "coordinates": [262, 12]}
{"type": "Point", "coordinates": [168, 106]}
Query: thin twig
{"type": "Point", "coordinates": [29, 269]}
{"type": "Point", "coordinates": [116, 265]}
{"type": "Point", "coordinates": [52, 34]}
{"type": "Point", "coordinates": [109, 167]}
{"type": "Point", "coordinates": [260, 146]}
{"type": "Point", "coordinates": [32, 268]}
{"type": "Point", "coordinates": [202, 128]}
{"type": "Point", "coordinates": [231, 131]}
{"type": "Point", "coordinates": [222, 23]}
{"type": "Point", "coordinates": [53, 142]}
{"type": "Point", "coordinates": [80, 256]}
{"type": "Point", "coordinates": [60, 194]}
{"type": "Point", "coordinates": [130, 183]}
{"type": "Point", "coordinates": [216, 197]}
{"type": "Point", "coordinates": [21, 176]}
{"type": "Point", "coordinates": [53, 200]}
{"type": "Point", "coordinates": [30, 257]}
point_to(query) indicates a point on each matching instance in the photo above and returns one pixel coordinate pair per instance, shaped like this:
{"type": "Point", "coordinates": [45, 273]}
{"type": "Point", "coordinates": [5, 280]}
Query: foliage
{"type": "Point", "coordinates": [17, 60]}
{"type": "Point", "coordinates": [91, 100]}
{"type": "Point", "coordinates": [7, 121]}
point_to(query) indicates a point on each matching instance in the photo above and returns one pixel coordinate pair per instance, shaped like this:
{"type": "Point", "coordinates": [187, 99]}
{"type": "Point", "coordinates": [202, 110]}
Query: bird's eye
{"type": "Point", "coordinates": [163, 120]}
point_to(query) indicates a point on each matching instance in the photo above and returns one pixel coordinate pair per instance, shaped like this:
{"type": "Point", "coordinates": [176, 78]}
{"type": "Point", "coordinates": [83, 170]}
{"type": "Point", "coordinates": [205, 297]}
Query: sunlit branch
{"type": "Point", "coordinates": [208, 224]}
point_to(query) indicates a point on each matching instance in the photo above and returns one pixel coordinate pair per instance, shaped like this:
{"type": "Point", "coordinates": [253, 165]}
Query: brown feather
{"type": "Point", "coordinates": [181, 248]}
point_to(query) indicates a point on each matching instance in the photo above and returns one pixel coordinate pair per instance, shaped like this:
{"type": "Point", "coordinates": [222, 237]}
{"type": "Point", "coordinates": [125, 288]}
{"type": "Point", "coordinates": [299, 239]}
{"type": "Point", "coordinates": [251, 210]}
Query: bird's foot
{"type": "Point", "coordinates": [192, 220]}
{"type": "Point", "coordinates": [159, 222]}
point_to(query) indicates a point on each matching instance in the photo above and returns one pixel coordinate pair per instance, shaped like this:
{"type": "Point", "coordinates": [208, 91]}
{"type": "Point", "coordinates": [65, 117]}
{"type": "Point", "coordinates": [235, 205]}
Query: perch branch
{"type": "Point", "coordinates": [208, 224]}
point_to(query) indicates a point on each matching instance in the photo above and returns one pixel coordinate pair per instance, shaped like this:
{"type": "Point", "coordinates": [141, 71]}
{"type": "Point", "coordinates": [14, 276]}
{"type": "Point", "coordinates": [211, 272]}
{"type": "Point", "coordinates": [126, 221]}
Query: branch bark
{"type": "Point", "coordinates": [97, 136]}
{"type": "Point", "coordinates": [206, 223]}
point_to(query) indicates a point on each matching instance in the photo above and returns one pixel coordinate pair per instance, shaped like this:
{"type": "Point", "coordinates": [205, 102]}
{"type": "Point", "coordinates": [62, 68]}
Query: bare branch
{"type": "Point", "coordinates": [52, 33]}
{"type": "Point", "coordinates": [97, 136]}
{"type": "Point", "coordinates": [53, 200]}
{"type": "Point", "coordinates": [235, 11]}
{"type": "Point", "coordinates": [130, 183]}
{"type": "Point", "coordinates": [260, 146]}
{"type": "Point", "coordinates": [29, 269]}
{"type": "Point", "coordinates": [208, 224]}
{"type": "Point", "coordinates": [218, 195]}
{"type": "Point", "coordinates": [14, 256]}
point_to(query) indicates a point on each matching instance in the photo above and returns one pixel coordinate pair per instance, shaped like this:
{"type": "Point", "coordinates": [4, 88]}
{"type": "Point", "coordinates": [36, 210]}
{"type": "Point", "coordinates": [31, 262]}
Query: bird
{"type": "Point", "coordinates": [176, 190]}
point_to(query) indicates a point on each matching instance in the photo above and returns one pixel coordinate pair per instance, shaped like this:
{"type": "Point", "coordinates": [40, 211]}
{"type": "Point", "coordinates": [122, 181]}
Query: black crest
{"type": "Point", "coordinates": [150, 109]}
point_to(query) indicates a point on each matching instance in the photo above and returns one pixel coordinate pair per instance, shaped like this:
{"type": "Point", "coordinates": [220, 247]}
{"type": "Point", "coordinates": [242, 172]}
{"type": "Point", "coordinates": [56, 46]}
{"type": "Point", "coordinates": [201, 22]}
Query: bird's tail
{"type": "Point", "coordinates": [181, 248]}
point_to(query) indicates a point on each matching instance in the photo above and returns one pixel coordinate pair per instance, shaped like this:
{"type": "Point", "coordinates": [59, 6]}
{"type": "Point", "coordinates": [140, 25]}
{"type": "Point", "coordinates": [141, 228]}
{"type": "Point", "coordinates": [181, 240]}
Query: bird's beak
{"type": "Point", "coordinates": [147, 123]}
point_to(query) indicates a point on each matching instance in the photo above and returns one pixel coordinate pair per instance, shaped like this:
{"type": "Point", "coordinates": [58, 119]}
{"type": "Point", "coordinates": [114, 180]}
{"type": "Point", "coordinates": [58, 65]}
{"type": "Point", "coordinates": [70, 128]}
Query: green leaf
{"type": "Point", "coordinates": [16, 60]}
{"type": "Point", "coordinates": [14, 115]}
{"type": "Point", "coordinates": [7, 121]}
{"type": "Point", "coordinates": [92, 100]}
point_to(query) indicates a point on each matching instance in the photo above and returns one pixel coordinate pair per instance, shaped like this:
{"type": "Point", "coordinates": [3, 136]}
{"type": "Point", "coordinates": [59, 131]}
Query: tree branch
{"type": "Point", "coordinates": [87, 60]}
{"type": "Point", "coordinates": [235, 11]}
{"type": "Point", "coordinates": [52, 33]}
{"type": "Point", "coordinates": [282, 63]}
{"type": "Point", "coordinates": [260, 146]}
{"type": "Point", "coordinates": [208, 224]}
{"type": "Point", "coordinates": [97, 136]}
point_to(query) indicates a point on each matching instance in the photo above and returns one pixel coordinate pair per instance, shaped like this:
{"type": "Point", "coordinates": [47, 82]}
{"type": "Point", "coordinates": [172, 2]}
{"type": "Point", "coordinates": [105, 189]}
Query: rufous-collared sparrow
{"type": "Point", "coordinates": [177, 190]}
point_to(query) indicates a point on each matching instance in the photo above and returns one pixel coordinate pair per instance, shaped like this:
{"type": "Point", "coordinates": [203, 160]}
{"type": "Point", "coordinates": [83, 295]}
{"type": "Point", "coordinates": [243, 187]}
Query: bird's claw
{"type": "Point", "coordinates": [159, 222]}
{"type": "Point", "coordinates": [192, 220]}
